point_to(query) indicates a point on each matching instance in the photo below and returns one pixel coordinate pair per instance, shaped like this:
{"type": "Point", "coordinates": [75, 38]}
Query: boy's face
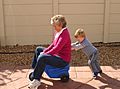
{"type": "Point", "coordinates": [80, 38]}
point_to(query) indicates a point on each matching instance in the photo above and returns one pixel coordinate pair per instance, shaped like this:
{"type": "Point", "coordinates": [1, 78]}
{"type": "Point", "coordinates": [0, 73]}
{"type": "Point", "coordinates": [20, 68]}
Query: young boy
{"type": "Point", "coordinates": [91, 52]}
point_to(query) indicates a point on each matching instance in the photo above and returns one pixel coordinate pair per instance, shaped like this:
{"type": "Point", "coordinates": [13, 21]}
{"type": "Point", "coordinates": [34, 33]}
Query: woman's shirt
{"type": "Point", "coordinates": [61, 46]}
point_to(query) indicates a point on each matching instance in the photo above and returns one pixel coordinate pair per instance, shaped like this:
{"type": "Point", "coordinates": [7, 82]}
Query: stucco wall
{"type": "Point", "coordinates": [27, 22]}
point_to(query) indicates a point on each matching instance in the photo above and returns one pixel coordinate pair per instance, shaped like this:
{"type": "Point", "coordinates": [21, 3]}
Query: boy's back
{"type": "Point", "coordinates": [88, 48]}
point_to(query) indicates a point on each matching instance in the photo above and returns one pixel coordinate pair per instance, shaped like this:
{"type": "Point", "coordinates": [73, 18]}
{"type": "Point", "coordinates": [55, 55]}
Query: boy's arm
{"type": "Point", "coordinates": [76, 46]}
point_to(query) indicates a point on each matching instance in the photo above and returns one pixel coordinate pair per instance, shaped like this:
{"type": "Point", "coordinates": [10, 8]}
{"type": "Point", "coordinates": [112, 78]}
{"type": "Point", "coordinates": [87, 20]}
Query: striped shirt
{"type": "Point", "coordinates": [86, 47]}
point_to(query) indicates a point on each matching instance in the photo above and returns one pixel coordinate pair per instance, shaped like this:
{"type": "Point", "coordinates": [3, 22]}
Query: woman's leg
{"type": "Point", "coordinates": [44, 60]}
{"type": "Point", "coordinates": [38, 50]}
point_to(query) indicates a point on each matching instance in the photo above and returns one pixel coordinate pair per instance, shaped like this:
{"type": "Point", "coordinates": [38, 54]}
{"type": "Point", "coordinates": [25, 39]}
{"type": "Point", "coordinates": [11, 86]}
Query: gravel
{"type": "Point", "coordinates": [109, 55]}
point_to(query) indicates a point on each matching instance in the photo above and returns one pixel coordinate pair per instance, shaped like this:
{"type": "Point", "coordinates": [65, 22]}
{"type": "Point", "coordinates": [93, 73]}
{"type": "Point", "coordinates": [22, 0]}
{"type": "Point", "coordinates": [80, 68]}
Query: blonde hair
{"type": "Point", "coordinates": [79, 32]}
{"type": "Point", "coordinates": [59, 19]}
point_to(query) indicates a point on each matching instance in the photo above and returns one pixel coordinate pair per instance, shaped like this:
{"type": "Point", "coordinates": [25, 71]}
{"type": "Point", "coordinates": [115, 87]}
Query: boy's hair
{"type": "Point", "coordinates": [59, 19]}
{"type": "Point", "coordinates": [79, 32]}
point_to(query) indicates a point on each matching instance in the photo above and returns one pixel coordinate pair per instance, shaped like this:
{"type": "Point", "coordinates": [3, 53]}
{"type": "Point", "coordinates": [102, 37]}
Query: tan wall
{"type": "Point", "coordinates": [87, 14]}
{"type": "Point", "coordinates": [28, 21]}
{"type": "Point", "coordinates": [2, 30]}
{"type": "Point", "coordinates": [114, 33]}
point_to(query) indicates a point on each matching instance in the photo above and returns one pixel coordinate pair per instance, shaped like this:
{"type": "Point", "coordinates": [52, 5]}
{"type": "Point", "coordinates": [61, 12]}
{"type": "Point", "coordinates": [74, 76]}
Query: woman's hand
{"type": "Point", "coordinates": [41, 53]}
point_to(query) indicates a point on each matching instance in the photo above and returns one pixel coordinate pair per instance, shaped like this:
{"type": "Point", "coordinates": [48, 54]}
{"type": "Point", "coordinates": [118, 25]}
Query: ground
{"type": "Point", "coordinates": [109, 55]}
{"type": "Point", "coordinates": [16, 77]}
{"type": "Point", "coordinates": [15, 66]}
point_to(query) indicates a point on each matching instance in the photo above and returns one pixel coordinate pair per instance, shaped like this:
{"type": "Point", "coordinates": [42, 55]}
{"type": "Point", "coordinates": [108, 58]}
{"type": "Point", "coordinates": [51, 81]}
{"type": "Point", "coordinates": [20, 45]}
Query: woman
{"type": "Point", "coordinates": [58, 54]}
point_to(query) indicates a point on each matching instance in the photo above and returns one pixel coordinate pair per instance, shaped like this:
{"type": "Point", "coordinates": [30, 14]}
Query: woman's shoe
{"type": "Point", "coordinates": [34, 84]}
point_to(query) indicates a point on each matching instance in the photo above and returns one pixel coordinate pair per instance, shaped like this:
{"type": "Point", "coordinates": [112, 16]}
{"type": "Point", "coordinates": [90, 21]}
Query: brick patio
{"type": "Point", "coordinates": [12, 77]}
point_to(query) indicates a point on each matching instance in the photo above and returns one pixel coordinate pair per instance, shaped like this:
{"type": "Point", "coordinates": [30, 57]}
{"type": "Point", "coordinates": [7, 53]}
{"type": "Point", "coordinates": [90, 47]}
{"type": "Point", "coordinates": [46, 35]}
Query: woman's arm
{"type": "Point", "coordinates": [61, 42]}
{"type": "Point", "coordinates": [48, 48]}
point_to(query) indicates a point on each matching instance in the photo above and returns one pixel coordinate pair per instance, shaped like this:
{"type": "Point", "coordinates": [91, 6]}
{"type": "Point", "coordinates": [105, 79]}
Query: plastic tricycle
{"type": "Point", "coordinates": [53, 72]}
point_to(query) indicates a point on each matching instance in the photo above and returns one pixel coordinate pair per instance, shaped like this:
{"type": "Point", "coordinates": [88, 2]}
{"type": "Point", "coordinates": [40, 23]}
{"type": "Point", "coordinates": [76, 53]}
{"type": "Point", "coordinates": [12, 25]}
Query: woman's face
{"type": "Point", "coordinates": [57, 27]}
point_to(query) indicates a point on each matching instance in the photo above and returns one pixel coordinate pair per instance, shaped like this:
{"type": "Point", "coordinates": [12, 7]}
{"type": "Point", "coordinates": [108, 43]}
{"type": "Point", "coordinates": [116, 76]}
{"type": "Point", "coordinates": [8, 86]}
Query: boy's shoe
{"type": "Point", "coordinates": [95, 74]}
{"type": "Point", "coordinates": [34, 84]}
{"type": "Point", "coordinates": [100, 72]}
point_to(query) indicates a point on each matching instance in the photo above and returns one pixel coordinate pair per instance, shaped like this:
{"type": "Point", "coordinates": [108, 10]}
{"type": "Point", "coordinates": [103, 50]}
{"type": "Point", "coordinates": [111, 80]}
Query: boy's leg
{"type": "Point", "coordinates": [44, 60]}
{"type": "Point", "coordinates": [92, 63]}
{"type": "Point", "coordinates": [38, 50]}
{"type": "Point", "coordinates": [98, 66]}
{"type": "Point", "coordinates": [97, 63]}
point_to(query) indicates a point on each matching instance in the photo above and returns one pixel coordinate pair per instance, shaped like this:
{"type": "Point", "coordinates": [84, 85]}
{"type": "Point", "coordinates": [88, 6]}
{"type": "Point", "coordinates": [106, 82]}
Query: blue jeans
{"type": "Point", "coordinates": [93, 63]}
{"type": "Point", "coordinates": [41, 60]}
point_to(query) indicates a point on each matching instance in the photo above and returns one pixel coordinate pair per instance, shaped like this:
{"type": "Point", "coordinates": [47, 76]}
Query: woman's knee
{"type": "Point", "coordinates": [42, 58]}
{"type": "Point", "coordinates": [39, 49]}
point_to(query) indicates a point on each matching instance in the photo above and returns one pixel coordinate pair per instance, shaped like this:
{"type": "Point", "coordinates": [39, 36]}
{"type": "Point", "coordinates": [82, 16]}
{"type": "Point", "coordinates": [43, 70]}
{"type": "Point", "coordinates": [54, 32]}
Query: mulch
{"type": "Point", "coordinates": [109, 55]}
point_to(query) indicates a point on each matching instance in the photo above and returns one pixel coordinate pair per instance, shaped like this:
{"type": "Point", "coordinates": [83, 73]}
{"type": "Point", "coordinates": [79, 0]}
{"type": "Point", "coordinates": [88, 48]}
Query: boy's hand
{"type": "Point", "coordinates": [73, 44]}
{"type": "Point", "coordinates": [76, 49]}
{"type": "Point", "coordinates": [72, 49]}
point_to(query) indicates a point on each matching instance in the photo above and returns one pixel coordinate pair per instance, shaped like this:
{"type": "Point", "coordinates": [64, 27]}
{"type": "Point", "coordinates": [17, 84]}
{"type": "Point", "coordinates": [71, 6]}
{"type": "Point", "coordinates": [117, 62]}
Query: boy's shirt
{"type": "Point", "coordinates": [86, 47]}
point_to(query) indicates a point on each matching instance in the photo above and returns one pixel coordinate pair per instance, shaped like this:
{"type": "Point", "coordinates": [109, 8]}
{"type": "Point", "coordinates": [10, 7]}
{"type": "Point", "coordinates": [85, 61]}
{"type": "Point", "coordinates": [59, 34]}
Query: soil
{"type": "Point", "coordinates": [109, 55]}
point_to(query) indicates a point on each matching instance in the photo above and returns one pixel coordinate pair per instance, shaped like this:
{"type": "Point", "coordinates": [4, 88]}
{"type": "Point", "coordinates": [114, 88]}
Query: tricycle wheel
{"type": "Point", "coordinates": [64, 78]}
{"type": "Point", "coordinates": [30, 76]}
